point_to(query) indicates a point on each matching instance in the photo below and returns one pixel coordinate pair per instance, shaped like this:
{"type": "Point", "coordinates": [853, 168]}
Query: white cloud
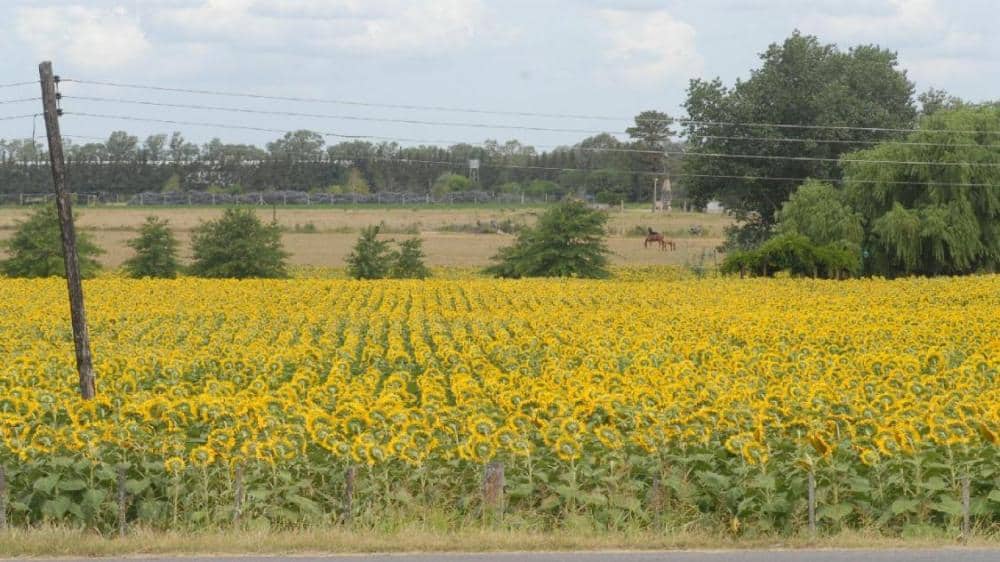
{"type": "Point", "coordinates": [370, 27]}
{"type": "Point", "coordinates": [646, 47]}
{"type": "Point", "coordinates": [934, 47]}
{"type": "Point", "coordinates": [85, 37]}
{"type": "Point", "coordinates": [897, 19]}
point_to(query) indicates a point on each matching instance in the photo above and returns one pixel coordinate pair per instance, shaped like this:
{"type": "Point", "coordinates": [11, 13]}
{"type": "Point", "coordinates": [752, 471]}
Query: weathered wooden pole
{"type": "Point", "coordinates": [81, 337]}
{"type": "Point", "coordinates": [493, 485]}
{"type": "Point", "coordinates": [966, 509]}
{"type": "Point", "coordinates": [238, 495]}
{"type": "Point", "coordinates": [122, 501]}
{"type": "Point", "coordinates": [349, 477]}
{"type": "Point", "coordinates": [812, 503]}
{"type": "Point", "coordinates": [3, 499]}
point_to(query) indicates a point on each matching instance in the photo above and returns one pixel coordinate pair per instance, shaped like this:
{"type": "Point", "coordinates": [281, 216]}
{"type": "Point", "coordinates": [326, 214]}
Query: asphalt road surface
{"type": "Point", "coordinates": [943, 555]}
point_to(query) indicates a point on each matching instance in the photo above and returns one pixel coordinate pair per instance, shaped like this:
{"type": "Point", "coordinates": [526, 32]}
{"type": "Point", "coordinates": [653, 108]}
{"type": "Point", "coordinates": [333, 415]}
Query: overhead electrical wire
{"type": "Point", "coordinates": [487, 125]}
{"type": "Point", "coordinates": [344, 117]}
{"type": "Point", "coordinates": [22, 116]}
{"type": "Point", "coordinates": [680, 120]}
{"type": "Point", "coordinates": [340, 102]}
{"type": "Point", "coordinates": [19, 100]}
{"type": "Point", "coordinates": [16, 84]}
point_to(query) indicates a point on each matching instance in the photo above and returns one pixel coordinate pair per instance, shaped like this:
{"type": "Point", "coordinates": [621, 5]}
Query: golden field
{"type": "Point", "coordinates": [612, 404]}
{"type": "Point", "coordinates": [445, 232]}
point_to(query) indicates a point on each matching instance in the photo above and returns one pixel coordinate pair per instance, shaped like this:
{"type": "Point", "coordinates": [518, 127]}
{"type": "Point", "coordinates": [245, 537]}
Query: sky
{"type": "Point", "coordinates": [595, 58]}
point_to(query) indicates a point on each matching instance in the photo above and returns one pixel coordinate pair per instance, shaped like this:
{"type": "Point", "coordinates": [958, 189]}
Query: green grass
{"type": "Point", "coordinates": [56, 542]}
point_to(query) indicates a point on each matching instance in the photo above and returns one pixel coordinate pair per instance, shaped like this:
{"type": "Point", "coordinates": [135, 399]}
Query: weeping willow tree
{"type": "Point", "coordinates": [930, 205]}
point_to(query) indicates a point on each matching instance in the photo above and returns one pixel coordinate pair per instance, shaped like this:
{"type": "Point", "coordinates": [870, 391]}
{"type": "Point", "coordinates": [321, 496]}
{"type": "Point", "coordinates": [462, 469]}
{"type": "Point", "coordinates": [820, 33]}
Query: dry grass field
{"type": "Point", "coordinates": [449, 234]}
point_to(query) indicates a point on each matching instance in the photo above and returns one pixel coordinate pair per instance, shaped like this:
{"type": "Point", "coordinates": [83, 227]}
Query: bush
{"type": "Point", "coordinates": [370, 257]}
{"type": "Point", "coordinates": [568, 241]}
{"type": "Point", "coordinates": [155, 251]}
{"type": "Point", "coordinates": [797, 255]}
{"type": "Point", "coordinates": [36, 250]}
{"type": "Point", "coordinates": [238, 245]}
{"type": "Point", "coordinates": [408, 261]}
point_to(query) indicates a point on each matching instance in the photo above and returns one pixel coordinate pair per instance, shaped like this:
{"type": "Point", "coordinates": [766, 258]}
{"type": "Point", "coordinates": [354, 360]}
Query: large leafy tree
{"type": "Point", "coordinates": [238, 245]}
{"type": "Point", "coordinates": [567, 241]}
{"type": "Point", "coordinates": [942, 217]}
{"type": "Point", "coordinates": [35, 249]}
{"type": "Point", "coordinates": [800, 82]}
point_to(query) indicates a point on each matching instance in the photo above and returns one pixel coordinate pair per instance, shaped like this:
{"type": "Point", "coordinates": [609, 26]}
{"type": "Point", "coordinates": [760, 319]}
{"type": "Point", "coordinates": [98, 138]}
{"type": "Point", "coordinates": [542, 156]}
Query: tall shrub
{"type": "Point", "coordinates": [238, 245]}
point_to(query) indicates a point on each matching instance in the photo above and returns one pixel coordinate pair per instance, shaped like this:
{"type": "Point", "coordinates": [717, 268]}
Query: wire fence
{"type": "Point", "coordinates": [270, 198]}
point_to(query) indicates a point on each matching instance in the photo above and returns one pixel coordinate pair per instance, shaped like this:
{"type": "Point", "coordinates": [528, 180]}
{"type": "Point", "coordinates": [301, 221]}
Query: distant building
{"type": "Point", "coordinates": [714, 207]}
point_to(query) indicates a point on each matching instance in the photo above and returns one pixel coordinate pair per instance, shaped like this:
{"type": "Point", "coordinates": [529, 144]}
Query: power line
{"type": "Point", "coordinates": [841, 141]}
{"type": "Point", "coordinates": [667, 152]}
{"type": "Point", "coordinates": [23, 116]}
{"type": "Point", "coordinates": [342, 102]}
{"type": "Point", "coordinates": [680, 120]}
{"type": "Point", "coordinates": [20, 100]}
{"type": "Point", "coordinates": [493, 126]}
{"type": "Point", "coordinates": [344, 117]}
{"type": "Point", "coordinates": [15, 84]}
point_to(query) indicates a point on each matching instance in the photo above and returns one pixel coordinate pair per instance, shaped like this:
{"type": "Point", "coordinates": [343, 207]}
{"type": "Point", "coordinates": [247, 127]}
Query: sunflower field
{"type": "Point", "coordinates": [613, 405]}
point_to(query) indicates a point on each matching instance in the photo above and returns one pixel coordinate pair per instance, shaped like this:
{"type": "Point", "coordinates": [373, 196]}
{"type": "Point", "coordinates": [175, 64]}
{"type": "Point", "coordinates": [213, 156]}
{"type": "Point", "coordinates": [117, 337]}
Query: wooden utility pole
{"type": "Point", "coordinates": [81, 337]}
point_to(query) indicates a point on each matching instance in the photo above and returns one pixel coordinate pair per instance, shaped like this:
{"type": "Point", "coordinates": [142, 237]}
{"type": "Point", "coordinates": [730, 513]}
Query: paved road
{"type": "Point", "coordinates": [943, 555]}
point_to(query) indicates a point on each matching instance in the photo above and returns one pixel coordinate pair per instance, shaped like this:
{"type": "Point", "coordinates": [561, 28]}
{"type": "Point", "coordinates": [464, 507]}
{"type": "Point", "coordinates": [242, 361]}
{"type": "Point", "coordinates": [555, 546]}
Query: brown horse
{"type": "Point", "coordinates": [657, 238]}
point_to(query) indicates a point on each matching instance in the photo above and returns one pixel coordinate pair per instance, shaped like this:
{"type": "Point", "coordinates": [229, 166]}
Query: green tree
{"type": "Point", "coordinates": [821, 213]}
{"type": "Point", "coordinates": [450, 183]}
{"type": "Point", "coordinates": [568, 241]}
{"type": "Point", "coordinates": [794, 253]}
{"type": "Point", "coordinates": [651, 134]}
{"type": "Point", "coordinates": [155, 251]}
{"type": "Point", "coordinates": [35, 249]}
{"type": "Point", "coordinates": [298, 146]}
{"type": "Point", "coordinates": [940, 218]}
{"type": "Point", "coordinates": [356, 182]}
{"type": "Point", "coordinates": [238, 245]}
{"type": "Point", "coordinates": [408, 261]}
{"type": "Point", "coordinates": [800, 82]}
{"type": "Point", "coordinates": [370, 257]}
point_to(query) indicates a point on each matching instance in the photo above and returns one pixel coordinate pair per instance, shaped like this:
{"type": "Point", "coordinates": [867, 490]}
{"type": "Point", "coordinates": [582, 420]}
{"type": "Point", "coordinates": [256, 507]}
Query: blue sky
{"type": "Point", "coordinates": [593, 57]}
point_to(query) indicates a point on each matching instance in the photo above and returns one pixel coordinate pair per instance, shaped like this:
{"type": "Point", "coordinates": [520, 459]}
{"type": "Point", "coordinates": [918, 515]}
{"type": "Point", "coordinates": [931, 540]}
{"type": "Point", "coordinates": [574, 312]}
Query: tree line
{"type": "Point", "coordinates": [302, 161]}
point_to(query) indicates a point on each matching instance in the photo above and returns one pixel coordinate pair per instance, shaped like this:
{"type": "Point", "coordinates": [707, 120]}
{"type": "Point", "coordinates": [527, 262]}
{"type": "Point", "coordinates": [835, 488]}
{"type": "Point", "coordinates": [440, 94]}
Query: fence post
{"type": "Point", "coordinates": [493, 484]}
{"type": "Point", "coordinates": [812, 503]}
{"type": "Point", "coordinates": [238, 493]}
{"type": "Point", "coordinates": [3, 498]}
{"type": "Point", "coordinates": [966, 508]}
{"type": "Point", "coordinates": [656, 500]}
{"type": "Point", "coordinates": [140, 199]}
{"type": "Point", "coordinates": [349, 477]}
{"type": "Point", "coordinates": [121, 501]}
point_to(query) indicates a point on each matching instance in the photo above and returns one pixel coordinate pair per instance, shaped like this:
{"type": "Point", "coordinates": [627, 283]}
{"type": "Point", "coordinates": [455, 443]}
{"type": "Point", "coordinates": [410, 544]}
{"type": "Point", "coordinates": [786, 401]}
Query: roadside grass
{"type": "Point", "coordinates": [61, 542]}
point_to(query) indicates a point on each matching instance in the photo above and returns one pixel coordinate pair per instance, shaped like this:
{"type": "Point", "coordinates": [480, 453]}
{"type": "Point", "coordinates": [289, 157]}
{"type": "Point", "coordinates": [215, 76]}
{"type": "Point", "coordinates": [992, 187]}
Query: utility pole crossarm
{"type": "Point", "coordinates": [81, 337]}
